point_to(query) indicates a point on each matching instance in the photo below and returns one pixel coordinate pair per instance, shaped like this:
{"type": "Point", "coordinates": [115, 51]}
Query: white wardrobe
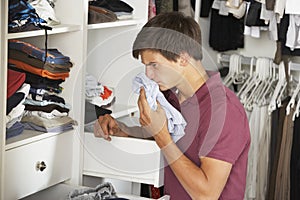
{"type": "Point", "coordinates": [34, 161]}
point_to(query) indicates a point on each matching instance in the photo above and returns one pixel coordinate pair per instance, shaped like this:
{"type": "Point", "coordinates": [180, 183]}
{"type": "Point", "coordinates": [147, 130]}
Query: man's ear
{"type": "Point", "coordinates": [184, 59]}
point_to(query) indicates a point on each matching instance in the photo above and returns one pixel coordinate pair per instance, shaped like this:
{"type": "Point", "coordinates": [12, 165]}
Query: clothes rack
{"type": "Point", "coordinates": [246, 60]}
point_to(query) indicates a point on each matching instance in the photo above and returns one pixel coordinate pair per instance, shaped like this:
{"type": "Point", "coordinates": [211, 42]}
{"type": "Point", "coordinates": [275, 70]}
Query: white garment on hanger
{"type": "Point", "coordinates": [292, 7]}
{"type": "Point", "coordinates": [279, 9]}
{"type": "Point", "coordinates": [258, 156]}
{"type": "Point", "coordinates": [269, 17]}
{"type": "Point", "coordinates": [293, 32]}
{"type": "Point", "coordinates": [224, 9]}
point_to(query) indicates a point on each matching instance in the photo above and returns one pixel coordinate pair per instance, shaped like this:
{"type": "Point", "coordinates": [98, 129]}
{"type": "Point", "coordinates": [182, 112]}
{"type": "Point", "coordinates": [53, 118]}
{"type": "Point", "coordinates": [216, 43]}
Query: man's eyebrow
{"type": "Point", "coordinates": [150, 63]}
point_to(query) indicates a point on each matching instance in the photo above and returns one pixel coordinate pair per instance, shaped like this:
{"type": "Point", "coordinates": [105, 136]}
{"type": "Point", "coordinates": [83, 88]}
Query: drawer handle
{"type": "Point", "coordinates": [40, 166]}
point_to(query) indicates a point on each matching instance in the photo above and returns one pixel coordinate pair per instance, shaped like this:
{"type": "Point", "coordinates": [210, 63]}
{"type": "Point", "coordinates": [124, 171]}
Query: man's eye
{"type": "Point", "coordinates": [154, 65]}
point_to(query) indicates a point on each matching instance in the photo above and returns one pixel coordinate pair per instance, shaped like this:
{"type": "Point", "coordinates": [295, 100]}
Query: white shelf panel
{"type": "Point", "coordinates": [62, 28]}
{"type": "Point", "coordinates": [119, 110]}
{"type": "Point", "coordinates": [118, 23]}
{"type": "Point", "coordinates": [27, 137]}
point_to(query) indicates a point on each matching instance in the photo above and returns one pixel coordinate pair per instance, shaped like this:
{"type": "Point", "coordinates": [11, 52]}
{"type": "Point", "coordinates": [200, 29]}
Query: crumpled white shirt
{"type": "Point", "coordinates": [176, 122]}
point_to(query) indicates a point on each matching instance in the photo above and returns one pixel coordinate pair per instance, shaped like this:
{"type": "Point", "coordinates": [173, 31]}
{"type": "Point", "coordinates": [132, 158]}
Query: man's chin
{"type": "Point", "coordinates": [162, 88]}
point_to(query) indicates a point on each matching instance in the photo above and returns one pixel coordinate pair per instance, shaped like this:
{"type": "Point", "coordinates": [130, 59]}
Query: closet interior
{"type": "Point", "coordinates": [40, 162]}
{"type": "Point", "coordinates": [75, 45]}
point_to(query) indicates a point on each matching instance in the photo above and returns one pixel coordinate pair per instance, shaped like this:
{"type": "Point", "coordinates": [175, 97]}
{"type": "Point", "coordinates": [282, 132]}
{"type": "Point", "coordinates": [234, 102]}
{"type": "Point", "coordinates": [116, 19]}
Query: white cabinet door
{"type": "Point", "coordinates": [38, 165]}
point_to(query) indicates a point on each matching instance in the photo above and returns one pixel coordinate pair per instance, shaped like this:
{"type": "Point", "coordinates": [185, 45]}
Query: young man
{"type": "Point", "coordinates": [210, 160]}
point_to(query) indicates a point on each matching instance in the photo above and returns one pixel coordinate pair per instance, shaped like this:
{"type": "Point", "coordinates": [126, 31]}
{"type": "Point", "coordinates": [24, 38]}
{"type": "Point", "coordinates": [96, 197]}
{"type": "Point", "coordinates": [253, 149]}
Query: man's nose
{"type": "Point", "coordinates": [149, 72]}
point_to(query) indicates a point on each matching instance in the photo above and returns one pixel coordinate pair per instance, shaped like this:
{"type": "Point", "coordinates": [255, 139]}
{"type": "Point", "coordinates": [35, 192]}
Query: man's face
{"type": "Point", "coordinates": [164, 72]}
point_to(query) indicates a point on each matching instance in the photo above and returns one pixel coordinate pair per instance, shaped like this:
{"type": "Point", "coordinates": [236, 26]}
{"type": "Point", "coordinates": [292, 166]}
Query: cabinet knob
{"type": "Point", "coordinates": [40, 166]}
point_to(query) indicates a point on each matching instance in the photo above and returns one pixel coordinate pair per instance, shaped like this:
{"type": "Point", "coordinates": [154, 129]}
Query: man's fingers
{"type": "Point", "coordinates": [98, 132]}
{"type": "Point", "coordinates": [142, 92]}
{"type": "Point", "coordinates": [103, 121]}
{"type": "Point", "coordinates": [144, 107]}
{"type": "Point", "coordinates": [140, 105]}
{"type": "Point", "coordinates": [113, 127]}
{"type": "Point", "coordinates": [108, 127]}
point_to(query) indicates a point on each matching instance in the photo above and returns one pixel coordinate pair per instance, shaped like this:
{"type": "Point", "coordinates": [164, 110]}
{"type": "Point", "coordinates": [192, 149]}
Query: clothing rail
{"type": "Point", "coordinates": [224, 60]}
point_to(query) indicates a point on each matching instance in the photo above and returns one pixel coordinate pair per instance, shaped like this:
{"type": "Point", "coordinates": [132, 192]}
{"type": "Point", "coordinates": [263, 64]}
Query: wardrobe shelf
{"type": "Point", "coordinates": [28, 137]}
{"type": "Point", "coordinates": [120, 110]}
{"type": "Point", "coordinates": [128, 22]}
{"type": "Point", "coordinates": [62, 28]}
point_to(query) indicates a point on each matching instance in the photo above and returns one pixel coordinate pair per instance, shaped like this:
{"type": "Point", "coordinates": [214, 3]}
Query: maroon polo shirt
{"type": "Point", "coordinates": [217, 127]}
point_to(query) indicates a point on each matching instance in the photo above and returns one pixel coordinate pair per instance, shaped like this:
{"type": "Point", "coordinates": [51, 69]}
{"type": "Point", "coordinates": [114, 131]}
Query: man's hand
{"type": "Point", "coordinates": [153, 121]}
{"type": "Point", "coordinates": [106, 126]}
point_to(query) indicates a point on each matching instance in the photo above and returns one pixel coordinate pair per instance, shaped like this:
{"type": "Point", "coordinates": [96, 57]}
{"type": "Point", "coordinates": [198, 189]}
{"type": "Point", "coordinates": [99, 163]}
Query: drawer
{"type": "Point", "coordinates": [62, 190]}
{"type": "Point", "coordinates": [23, 177]}
{"type": "Point", "coordinates": [129, 159]}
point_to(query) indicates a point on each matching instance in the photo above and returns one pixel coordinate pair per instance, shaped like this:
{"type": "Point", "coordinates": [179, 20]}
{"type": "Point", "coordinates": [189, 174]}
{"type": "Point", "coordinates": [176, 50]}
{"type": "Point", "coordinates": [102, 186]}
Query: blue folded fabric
{"type": "Point", "coordinates": [22, 16]}
{"type": "Point", "coordinates": [176, 122]}
{"type": "Point", "coordinates": [53, 55]}
{"type": "Point", "coordinates": [14, 130]}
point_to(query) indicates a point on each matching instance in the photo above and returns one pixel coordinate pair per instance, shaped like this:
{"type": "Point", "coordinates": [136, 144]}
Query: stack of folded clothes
{"type": "Point", "coordinates": [23, 17]}
{"type": "Point", "coordinates": [108, 11]}
{"type": "Point", "coordinates": [17, 90]}
{"type": "Point", "coordinates": [40, 108]}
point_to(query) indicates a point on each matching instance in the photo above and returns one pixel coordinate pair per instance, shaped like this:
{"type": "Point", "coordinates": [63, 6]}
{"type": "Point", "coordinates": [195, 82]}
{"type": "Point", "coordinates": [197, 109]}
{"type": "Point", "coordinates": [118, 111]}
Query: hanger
{"type": "Point", "coordinates": [279, 86]}
{"type": "Point", "coordinates": [231, 71]}
{"type": "Point", "coordinates": [295, 93]}
{"type": "Point", "coordinates": [234, 62]}
{"type": "Point", "coordinates": [240, 75]}
{"type": "Point", "coordinates": [280, 97]}
{"type": "Point", "coordinates": [297, 109]}
{"type": "Point", "coordinates": [266, 76]}
{"type": "Point", "coordinates": [296, 112]}
{"type": "Point", "coordinates": [266, 84]}
{"type": "Point", "coordinates": [262, 69]}
{"type": "Point", "coordinates": [261, 98]}
{"type": "Point", "coordinates": [250, 77]}
{"type": "Point", "coordinates": [251, 86]}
